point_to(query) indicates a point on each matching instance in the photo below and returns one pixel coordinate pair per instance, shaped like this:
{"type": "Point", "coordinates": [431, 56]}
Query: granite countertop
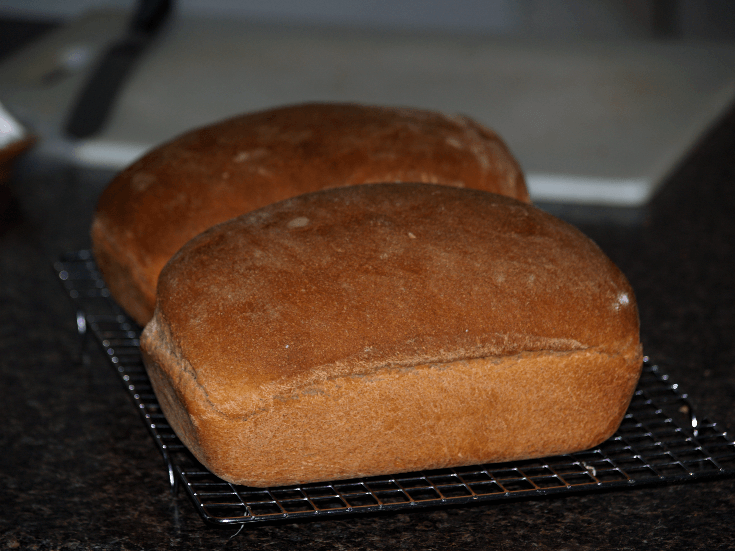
{"type": "Point", "coordinates": [79, 469]}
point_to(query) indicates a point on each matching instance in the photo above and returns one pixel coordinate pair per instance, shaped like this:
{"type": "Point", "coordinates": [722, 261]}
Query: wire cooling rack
{"type": "Point", "coordinates": [660, 440]}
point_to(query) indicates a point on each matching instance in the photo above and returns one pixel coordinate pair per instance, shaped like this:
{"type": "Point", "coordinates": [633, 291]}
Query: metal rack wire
{"type": "Point", "coordinates": [660, 440]}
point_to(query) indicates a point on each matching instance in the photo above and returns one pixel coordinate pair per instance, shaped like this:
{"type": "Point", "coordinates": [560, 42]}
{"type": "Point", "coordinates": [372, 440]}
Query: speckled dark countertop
{"type": "Point", "coordinates": [78, 469]}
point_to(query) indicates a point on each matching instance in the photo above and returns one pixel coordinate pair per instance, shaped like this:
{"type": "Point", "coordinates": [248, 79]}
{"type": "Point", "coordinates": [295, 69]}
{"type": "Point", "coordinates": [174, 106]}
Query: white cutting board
{"type": "Point", "coordinates": [591, 122]}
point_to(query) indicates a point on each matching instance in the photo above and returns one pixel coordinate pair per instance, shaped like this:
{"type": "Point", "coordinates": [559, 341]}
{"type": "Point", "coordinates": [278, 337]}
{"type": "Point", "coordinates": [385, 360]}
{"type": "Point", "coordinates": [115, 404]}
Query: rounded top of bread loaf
{"type": "Point", "coordinates": [343, 282]}
{"type": "Point", "coordinates": [215, 173]}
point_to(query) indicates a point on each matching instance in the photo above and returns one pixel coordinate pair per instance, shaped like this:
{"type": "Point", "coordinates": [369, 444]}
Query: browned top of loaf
{"type": "Point", "coordinates": [347, 281]}
{"type": "Point", "coordinates": [215, 173]}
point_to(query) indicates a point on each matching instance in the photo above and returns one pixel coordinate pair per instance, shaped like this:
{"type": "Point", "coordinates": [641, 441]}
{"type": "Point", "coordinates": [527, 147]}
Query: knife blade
{"type": "Point", "coordinates": [97, 98]}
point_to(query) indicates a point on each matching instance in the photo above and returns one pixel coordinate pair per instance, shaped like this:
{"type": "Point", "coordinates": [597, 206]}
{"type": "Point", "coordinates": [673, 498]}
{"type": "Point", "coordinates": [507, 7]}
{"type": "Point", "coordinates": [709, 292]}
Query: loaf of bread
{"type": "Point", "coordinates": [387, 328]}
{"type": "Point", "coordinates": [215, 173]}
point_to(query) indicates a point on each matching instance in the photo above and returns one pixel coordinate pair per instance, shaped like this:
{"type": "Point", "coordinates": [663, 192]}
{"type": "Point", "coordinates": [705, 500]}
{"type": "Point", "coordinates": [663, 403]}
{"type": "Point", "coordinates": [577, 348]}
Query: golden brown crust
{"type": "Point", "coordinates": [390, 327]}
{"type": "Point", "coordinates": [218, 172]}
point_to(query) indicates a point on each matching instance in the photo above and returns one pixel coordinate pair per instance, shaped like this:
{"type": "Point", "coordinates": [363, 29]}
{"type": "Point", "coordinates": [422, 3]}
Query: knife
{"type": "Point", "coordinates": [95, 102]}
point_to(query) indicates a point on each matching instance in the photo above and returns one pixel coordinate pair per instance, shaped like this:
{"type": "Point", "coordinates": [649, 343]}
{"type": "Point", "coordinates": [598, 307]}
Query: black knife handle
{"type": "Point", "coordinates": [94, 104]}
{"type": "Point", "coordinates": [149, 15]}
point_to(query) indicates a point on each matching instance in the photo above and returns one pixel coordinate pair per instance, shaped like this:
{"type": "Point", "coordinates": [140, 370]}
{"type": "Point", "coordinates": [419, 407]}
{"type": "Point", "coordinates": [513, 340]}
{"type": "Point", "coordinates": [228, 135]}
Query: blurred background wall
{"type": "Point", "coordinates": [695, 19]}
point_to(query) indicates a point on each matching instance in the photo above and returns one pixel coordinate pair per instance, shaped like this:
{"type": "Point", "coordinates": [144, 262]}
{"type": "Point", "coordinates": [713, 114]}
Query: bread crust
{"type": "Point", "coordinates": [215, 173]}
{"type": "Point", "coordinates": [386, 328]}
